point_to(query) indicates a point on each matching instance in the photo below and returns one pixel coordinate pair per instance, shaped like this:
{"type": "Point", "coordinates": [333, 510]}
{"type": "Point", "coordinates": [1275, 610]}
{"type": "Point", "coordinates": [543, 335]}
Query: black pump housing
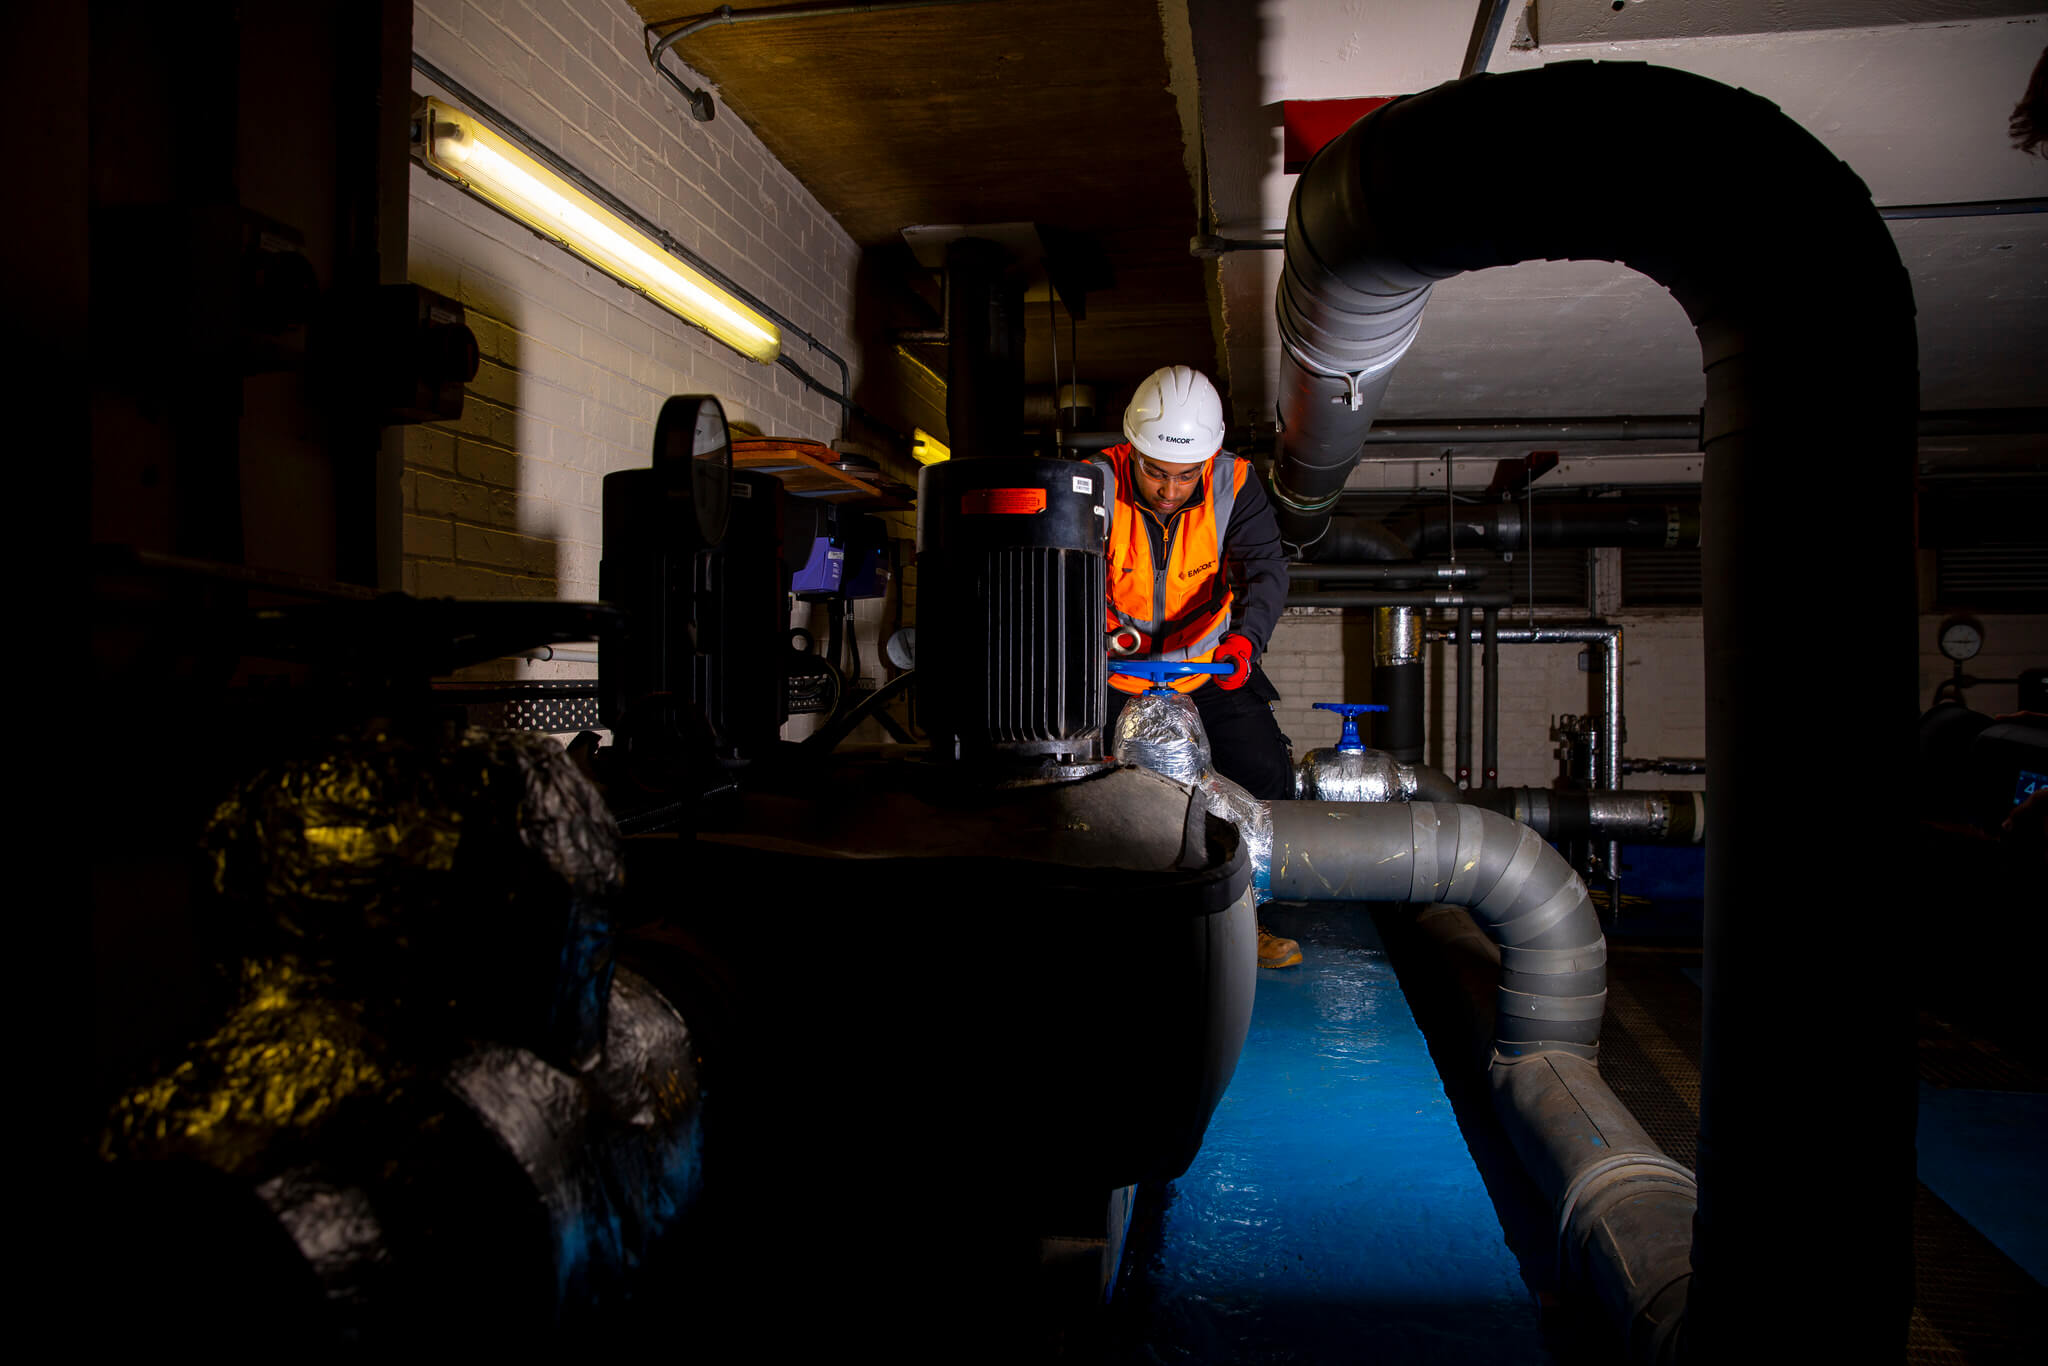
{"type": "Point", "coordinates": [1011, 616]}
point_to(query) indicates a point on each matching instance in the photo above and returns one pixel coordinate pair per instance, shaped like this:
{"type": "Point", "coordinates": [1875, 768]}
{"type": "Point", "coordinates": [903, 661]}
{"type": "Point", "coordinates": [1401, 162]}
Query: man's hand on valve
{"type": "Point", "coordinates": [1234, 650]}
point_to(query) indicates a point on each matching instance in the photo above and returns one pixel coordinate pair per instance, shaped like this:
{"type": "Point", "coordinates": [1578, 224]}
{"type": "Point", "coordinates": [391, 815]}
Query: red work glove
{"type": "Point", "coordinates": [1236, 650]}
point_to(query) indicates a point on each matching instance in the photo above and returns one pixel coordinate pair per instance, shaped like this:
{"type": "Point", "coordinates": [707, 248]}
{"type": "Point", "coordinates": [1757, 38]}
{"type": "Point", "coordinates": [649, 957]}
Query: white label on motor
{"type": "Point", "coordinates": [1083, 485]}
{"type": "Point", "coordinates": [742, 491]}
{"type": "Point", "coordinates": [835, 554]}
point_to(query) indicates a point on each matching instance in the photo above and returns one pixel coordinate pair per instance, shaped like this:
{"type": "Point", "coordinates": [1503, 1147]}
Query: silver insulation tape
{"type": "Point", "coordinates": [1163, 733]}
{"type": "Point", "coordinates": [1254, 821]}
{"type": "Point", "coordinates": [1354, 775]}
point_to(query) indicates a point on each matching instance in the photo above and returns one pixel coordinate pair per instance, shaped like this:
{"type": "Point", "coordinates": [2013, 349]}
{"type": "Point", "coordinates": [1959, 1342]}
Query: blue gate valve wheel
{"type": "Point", "coordinates": [1157, 671]}
{"type": "Point", "coordinates": [1350, 711]}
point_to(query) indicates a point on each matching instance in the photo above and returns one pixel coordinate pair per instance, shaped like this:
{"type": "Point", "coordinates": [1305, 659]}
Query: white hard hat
{"type": "Point", "coordinates": [1175, 416]}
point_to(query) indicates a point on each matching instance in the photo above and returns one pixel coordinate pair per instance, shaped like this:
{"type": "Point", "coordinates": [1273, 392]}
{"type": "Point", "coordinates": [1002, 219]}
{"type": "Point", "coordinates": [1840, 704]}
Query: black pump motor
{"type": "Point", "coordinates": [1011, 617]}
{"type": "Point", "coordinates": [693, 552]}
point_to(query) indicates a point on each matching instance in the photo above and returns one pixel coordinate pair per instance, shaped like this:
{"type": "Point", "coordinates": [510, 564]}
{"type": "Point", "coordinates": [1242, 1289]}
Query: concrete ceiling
{"type": "Point", "coordinates": [1912, 94]}
{"type": "Point", "coordinates": [1087, 115]}
{"type": "Point", "coordinates": [1065, 113]}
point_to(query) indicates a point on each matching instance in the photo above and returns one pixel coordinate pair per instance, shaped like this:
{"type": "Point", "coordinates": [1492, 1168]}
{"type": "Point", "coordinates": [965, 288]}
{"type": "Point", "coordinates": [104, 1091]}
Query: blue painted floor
{"type": "Point", "coordinates": [1334, 1213]}
{"type": "Point", "coordinates": [1983, 1153]}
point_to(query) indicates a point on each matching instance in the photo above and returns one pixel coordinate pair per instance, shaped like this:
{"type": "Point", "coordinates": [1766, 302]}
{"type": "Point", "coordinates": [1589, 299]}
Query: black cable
{"type": "Point", "coordinates": [827, 740]}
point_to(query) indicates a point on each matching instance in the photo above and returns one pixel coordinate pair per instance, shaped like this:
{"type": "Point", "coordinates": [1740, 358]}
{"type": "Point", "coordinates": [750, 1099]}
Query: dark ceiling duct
{"type": "Point", "coordinates": [1805, 322]}
{"type": "Point", "coordinates": [1510, 527]}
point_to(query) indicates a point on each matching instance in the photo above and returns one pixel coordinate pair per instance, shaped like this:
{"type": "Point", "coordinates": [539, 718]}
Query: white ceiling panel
{"type": "Point", "coordinates": [1916, 100]}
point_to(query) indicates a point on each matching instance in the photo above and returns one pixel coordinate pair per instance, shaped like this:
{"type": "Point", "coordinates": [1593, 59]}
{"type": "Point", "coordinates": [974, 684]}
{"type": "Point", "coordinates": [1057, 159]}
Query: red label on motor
{"type": "Point", "coordinates": [1003, 500]}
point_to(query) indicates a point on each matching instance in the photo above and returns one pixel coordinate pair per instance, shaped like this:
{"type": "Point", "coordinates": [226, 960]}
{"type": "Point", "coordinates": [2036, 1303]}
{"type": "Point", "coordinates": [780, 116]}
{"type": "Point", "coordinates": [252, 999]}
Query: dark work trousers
{"type": "Point", "coordinates": [1245, 742]}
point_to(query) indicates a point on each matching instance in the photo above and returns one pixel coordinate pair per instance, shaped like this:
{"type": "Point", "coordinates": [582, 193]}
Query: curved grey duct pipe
{"type": "Point", "coordinates": [1805, 322]}
{"type": "Point", "coordinates": [1624, 1209]}
{"type": "Point", "coordinates": [1519, 889]}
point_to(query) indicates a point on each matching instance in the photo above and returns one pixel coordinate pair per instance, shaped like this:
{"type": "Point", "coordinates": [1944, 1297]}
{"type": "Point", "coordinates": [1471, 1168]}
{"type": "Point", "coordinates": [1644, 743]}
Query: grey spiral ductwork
{"type": "Point", "coordinates": [1804, 317]}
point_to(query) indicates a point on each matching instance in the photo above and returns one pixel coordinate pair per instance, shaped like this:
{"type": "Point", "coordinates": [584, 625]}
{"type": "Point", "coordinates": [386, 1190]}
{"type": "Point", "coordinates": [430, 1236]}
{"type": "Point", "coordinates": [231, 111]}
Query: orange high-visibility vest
{"type": "Point", "coordinates": [1168, 581]}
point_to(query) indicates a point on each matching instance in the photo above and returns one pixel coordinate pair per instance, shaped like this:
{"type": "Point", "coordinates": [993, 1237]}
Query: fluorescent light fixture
{"type": "Point", "coordinates": [928, 449]}
{"type": "Point", "coordinates": [498, 171]}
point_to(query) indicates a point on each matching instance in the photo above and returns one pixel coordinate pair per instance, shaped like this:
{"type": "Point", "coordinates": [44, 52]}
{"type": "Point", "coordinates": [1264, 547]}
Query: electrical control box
{"type": "Point", "coordinates": [834, 551]}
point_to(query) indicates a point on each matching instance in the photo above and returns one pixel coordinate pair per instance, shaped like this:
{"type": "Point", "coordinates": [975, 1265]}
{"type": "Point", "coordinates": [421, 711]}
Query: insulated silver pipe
{"type": "Point", "coordinates": [1675, 817]}
{"type": "Point", "coordinates": [1397, 636]}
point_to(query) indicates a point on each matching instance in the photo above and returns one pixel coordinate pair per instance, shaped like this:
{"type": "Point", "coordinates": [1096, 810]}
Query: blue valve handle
{"type": "Point", "coordinates": [1157, 671]}
{"type": "Point", "coordinates": [1350, 711]}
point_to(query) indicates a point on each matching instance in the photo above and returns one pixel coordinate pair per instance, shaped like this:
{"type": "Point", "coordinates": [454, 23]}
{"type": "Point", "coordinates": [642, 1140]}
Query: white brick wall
{"type": "Point", "coordinates": [507, 501]}
{"type": "Point", "coordinates": [2011, 643]}
{"type": "Point", "coordinates": [1327, 657]}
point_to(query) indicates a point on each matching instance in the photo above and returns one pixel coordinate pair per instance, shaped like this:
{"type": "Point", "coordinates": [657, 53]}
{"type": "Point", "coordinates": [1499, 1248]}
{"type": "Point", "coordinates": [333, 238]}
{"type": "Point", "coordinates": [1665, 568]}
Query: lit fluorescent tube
{"type": "Point", "coordinates": [928, 449]}
{"type": "Point", "coordinates": [463, 148]}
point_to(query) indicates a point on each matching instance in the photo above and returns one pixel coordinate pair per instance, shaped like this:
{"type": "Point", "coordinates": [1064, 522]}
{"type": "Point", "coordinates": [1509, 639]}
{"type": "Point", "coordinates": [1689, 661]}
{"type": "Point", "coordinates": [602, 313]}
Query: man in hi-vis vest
{"type": "Point", "coordinates": [1197, 572]}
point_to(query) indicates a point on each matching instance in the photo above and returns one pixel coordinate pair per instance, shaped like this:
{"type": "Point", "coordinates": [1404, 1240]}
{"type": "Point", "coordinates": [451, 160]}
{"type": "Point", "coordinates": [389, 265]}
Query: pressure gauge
{"type": "Point", "coordinates": [692, 442]}
{"type": "Point", "coordinates": [1961, 638]}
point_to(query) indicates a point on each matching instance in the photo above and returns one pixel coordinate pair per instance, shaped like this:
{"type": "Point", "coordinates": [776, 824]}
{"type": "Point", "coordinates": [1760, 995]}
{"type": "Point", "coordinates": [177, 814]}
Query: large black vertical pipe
{"type": "Point", "coordinates": [1489, 699]}
{"type": "Point", "coordinates": [1805, 323]}
{"type": "Point", "coordinates": [985, 351]}
{"type": "Point", "coordinates": [1464, 773]}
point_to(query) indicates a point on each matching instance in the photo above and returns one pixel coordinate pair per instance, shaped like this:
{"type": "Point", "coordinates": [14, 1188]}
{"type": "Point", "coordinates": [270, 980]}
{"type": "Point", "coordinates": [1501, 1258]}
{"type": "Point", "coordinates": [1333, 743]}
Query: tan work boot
{"type": "Point", "coordinates": [1275, 952]}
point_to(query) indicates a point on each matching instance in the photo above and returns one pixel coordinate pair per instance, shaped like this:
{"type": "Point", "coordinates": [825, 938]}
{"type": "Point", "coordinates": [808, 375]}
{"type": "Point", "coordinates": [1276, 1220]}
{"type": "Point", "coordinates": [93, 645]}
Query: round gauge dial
{"type": "Point", "coordinates": [1961, 638]}
{"type": "Point", "coordinates": [691, 433]}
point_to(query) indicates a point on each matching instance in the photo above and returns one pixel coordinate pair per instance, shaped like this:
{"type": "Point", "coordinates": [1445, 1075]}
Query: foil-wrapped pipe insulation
{"type": "Point", "coordinates": [432, 1087]}
{"type": "Point", "coordinates": [1368, 775]}
{"type": "Point", "coordinates": [1254, 821]}
{"type": "Point", "coordinates": [1162, 731]}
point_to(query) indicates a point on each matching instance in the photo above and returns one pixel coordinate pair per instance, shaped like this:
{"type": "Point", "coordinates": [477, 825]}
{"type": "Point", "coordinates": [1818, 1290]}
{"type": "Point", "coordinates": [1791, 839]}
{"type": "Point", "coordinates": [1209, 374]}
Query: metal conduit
{"type": "Point", "coordinates": [699, 101]}
{"type": "Point", "coordinates": [1805, 321]}
{"type": "Point", "coordinates": [843, 396]}
{"type": "Point", "coordinates": [1607, 639]}
{"type": "Point", "coordinates": [1439, 431]}
{"type": "Point", "coordinates": [1413, 597]}
{"type": "Point", "coordinates": [1643, 817]}
{"type": "Point", "coordinates": [1387, 573]}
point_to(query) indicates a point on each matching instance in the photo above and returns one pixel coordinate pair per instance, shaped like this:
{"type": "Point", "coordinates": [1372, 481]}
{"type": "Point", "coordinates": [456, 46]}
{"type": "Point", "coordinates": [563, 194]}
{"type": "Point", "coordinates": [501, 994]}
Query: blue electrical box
{"type": "Point", "coordinates": [834, 551]}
